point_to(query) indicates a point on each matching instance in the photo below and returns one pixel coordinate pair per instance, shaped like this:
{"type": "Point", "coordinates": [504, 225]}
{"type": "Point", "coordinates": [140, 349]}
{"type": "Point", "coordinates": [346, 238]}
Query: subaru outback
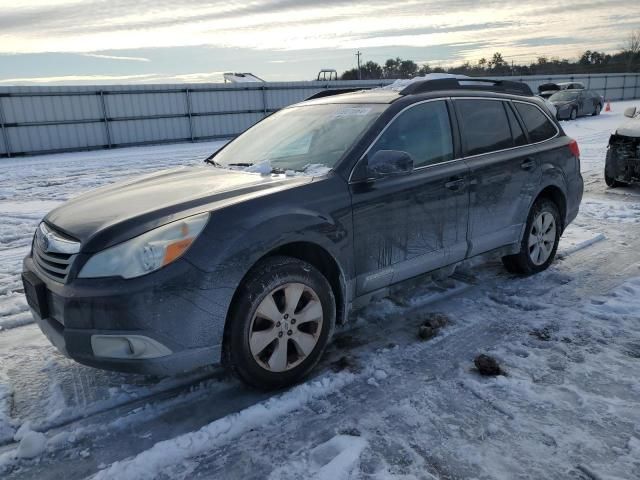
{"type": "Point", "coordinates": [252, 258]}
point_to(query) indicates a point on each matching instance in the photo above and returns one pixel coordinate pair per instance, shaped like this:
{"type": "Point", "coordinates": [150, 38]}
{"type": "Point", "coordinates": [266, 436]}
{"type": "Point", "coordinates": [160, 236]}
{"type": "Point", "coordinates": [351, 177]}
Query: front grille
{"type": "Point", "coordinates": [625, 158]}
{"type": "Point", "coordinates": [54, 253]}
{"type": "Point", "coordinates": [55, 265]}
{"type": "Point", "coordinates": [626, 148]}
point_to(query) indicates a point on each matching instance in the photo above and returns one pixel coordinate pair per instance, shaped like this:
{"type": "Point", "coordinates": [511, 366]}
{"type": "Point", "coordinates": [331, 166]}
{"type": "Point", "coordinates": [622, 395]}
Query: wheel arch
{"type": "Point", "coordinates": [317, 256]}
{"type": "Point", "coordinates": [557, 196]}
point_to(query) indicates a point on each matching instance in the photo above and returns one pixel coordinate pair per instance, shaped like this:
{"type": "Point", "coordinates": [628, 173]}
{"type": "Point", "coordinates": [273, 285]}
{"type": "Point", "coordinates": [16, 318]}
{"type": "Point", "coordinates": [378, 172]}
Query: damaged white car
{"type": "Point", "coordinates": [622, 166]}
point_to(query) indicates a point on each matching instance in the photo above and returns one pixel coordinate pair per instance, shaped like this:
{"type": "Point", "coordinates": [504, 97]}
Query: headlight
{"type": "Point", "coordinates": [147, 252]}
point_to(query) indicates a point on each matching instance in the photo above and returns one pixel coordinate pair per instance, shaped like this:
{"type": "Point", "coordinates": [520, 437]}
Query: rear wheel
{"type": "Point", "coordinates": [597, 110]}
{"type": "Point", "coordinates": [281, 323]}
{"type": "Point", "coordinates": [540, 242]}
{"type": "Point", "coordinates": [574, 114]}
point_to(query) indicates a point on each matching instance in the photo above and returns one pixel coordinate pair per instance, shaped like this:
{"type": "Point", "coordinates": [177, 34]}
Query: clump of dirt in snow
{"type": "Point", "coordinates": [431, 324]}
{"type": "Point", "coordinates": [543, 334]}
{"type": "Point", "coordinates": [487, 365]}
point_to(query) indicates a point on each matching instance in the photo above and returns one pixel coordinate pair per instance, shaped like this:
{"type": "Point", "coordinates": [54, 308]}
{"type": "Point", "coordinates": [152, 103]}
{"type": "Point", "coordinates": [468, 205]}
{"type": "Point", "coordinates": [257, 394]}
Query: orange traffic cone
{"type": "Point", "coordinates": [608, 107]}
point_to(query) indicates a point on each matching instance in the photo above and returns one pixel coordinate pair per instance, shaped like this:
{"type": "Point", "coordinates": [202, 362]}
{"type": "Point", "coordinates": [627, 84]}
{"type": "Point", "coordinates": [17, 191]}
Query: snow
{"type": "Point", "coordinates": [631, 127]}
{"type": "Point", "coordinates": [335, 459]}
{"type": "Point", "coordinates": [382, 404]}
{"type": "Point", "coordinates": [611, 210]}
{"type": "Point", "coordinates": [6, 394]}
{"type": "Point", "coordinates": [31, 445]}
{"type": "Point", "coordinates": [171, 452]}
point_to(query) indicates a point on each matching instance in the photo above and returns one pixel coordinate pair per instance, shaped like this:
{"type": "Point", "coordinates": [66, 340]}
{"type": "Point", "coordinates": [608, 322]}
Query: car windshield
{"type": "Point", "coordinates": [564, 96]}
{"type": "Point", "coordinates": [297, 137]}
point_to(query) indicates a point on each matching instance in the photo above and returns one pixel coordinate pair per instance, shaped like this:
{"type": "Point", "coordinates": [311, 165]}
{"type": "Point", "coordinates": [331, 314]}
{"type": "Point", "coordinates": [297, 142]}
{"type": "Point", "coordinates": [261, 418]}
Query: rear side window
{"type": "Point", "coordinates": [538, 125]}
{"type": "Point", "coordinates": [424, 131]}
{"type": "Point", "coordinates": [485, 126]}
{"type": "Point", "coordinates": [516, 130]}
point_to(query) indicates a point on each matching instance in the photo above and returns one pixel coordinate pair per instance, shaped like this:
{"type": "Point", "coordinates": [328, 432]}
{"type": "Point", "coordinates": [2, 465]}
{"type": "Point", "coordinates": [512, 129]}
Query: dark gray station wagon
{"type": "Point", "coordinates": [354, 192]}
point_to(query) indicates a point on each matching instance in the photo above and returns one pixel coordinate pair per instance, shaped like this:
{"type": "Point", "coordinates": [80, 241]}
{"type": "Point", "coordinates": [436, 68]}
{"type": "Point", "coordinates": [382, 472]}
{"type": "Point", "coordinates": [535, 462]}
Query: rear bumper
{"type": "Point", "coordinates": [576, 191]}
{"type": "Point", "coordinates": [166, 307]}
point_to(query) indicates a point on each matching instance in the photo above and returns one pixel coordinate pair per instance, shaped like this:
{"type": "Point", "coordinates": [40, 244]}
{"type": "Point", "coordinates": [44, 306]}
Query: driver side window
{"type": "Point", "coordinates": [423, 131]}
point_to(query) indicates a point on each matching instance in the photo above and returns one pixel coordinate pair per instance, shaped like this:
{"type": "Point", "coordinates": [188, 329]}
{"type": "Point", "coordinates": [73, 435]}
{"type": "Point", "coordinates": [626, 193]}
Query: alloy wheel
{"type": "Point", "coordinates": [285, 327]}
{"type": "Point", "coordinates": [542, 238]}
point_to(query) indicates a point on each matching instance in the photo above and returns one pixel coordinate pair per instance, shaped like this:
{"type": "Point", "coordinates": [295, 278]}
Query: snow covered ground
{"type": "Point", "coordinates": [382, 404]}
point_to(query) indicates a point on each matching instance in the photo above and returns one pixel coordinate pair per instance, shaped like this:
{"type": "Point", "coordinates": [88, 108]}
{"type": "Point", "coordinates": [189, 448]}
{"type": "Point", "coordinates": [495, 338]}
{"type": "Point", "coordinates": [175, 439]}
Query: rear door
{"type": "Point", "coordinates": [504, 176]}
{"type": "Point", "coordinates": [407, 225]}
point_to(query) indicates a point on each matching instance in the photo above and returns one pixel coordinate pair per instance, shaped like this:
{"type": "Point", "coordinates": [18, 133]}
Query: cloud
{"type": "Point", "coordinates": [116, 57]}
{"type": "Point", "coordinates": [200, 77]}
{"type": "Point", "coordinates": [127, 33]}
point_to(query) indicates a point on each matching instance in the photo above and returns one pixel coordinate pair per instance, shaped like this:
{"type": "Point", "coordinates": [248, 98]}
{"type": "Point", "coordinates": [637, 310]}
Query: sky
{"type": "Point", "coordinates": [47, 42]}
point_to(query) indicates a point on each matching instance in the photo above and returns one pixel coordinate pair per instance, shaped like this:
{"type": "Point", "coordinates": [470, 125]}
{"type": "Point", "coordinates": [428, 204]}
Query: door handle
{"type": "Point", "coordinates": [528, 164]}
{"type": "Point", "coordinates": [456, 183]}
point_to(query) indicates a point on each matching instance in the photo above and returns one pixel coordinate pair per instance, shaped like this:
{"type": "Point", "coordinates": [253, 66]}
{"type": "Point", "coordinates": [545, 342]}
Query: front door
{"type": "Point", "coordinates": [407, 225]}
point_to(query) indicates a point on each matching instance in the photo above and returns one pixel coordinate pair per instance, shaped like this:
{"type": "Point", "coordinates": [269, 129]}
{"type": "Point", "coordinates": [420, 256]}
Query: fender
{"type": "Point", "coordinates": [240, 235]}
{"type": "Point", "coordinates": [552, 176]}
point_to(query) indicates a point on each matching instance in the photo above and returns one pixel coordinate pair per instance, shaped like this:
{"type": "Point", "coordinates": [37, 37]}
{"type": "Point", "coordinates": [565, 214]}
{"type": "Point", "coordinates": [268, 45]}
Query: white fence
{"type": "Point", "coordinates": [36, 120]}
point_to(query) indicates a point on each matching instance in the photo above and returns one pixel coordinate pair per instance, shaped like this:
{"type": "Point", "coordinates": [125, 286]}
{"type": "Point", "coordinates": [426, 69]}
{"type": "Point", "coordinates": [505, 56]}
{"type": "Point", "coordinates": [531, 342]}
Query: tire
{"type": "Point", "coordinates": [262, 317]}
{"type": "Point", "coordinates": [531, 260]}
{"type": "Point", "coordinates": [609, 179]}
{"type": "Point", "coordinates": [612, 182]}
{"type": "Point", "coordinates": [597, 111]}
{"type": "Point", "coordinates": [573, 115]}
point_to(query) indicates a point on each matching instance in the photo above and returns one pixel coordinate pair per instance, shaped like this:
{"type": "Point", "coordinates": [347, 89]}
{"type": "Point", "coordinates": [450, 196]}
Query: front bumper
{"type": "Point", "coordinates": [623, 159]}
{"type": "Point", "coordinates": [168, 307]}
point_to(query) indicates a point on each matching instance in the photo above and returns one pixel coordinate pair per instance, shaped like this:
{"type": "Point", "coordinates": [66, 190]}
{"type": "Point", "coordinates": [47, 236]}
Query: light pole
{"type": "Point", "coordinates": [358, 53]}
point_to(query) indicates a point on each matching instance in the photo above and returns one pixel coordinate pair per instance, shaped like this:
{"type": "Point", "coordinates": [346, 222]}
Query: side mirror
{"type": "Point", "coordinates": [386, 163]}
{"type": "Point", "coordinates": [630, 112]}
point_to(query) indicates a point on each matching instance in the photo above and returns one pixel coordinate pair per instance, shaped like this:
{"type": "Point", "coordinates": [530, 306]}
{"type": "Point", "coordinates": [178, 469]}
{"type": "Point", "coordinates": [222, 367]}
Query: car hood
{"type": "Point", "coordinates": [117, 212]}
{"type": "Point", "coordinates": [630, 128]}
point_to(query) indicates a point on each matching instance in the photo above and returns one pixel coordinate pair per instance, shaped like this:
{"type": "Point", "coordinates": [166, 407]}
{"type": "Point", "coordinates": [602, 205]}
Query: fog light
{"type": "Point", "coordinates": [127, 346]}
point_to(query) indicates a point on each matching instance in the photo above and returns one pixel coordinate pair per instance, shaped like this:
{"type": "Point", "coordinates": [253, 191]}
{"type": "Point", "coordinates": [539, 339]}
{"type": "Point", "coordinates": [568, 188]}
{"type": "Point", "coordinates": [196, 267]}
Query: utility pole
{"type": "Point", "coordinates": [358, 53]}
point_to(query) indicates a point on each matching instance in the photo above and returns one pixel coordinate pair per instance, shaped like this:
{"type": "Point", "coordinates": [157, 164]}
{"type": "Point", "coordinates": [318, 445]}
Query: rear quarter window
{"type": "Point", "coordinates": [485, 126]}
{"type": "Point", "coordinates": [540, 128]}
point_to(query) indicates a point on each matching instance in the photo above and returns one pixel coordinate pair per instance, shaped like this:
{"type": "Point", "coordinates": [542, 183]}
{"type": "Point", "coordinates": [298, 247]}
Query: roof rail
{"type": "Point", "coordinates": [485, 84]}
{"type": "Point", "coordinates": [334, 91]}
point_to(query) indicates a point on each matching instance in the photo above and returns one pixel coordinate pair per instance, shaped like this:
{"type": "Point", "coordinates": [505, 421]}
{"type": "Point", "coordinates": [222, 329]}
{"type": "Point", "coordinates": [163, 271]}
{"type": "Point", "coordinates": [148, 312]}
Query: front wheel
{"type": "Point", "coordinates": [612, 182]}
{"type": "Point", "coordinates": [540, 242]}
{"type": "Point", "coordinates": [281, 322]}
{"type": "Point", "coordinates": [597, 111]}
{"type": "Point", "coordinates": [574, 114]}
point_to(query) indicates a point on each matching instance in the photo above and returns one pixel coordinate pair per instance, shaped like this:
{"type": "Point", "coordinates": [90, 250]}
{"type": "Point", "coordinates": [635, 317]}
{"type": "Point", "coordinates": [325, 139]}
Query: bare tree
{"type": "Point", "coordinates": [632, 47]}
{"type": "Point", "coordinates": [633, 42]}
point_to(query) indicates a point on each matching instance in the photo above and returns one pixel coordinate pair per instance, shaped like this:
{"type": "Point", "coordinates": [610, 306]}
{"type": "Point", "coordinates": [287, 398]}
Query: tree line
{"type": "Point", "coordinates": [591, 61]}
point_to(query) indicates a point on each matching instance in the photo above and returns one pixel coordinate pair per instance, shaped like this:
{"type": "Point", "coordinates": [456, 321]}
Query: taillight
{"type": "Point", "coordinates": [574, 148]}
